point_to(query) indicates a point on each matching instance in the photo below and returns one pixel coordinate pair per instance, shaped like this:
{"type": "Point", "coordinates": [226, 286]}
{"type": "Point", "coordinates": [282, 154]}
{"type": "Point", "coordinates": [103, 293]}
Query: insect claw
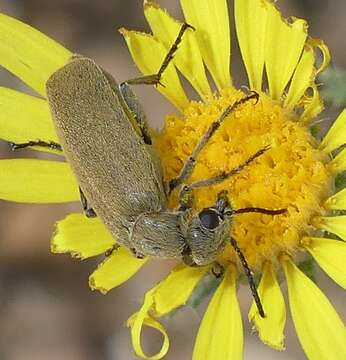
{"type": "Point", "coordinates": [160, 83]}
{"type": "Point", "coordinates": [190, 26]}
{"type": "Point", "coordinates": [110, 251]}
{"type": "Point", "coordinates": [254, 95]}
{"type": "Point", "coordinates": [90, 213]}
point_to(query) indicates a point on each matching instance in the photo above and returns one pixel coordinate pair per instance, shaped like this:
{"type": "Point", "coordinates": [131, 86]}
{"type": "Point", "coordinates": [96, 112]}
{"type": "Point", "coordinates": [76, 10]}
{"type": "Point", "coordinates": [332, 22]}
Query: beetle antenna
{"type": "Point", "coordinates": [249, 275]}
{"type": "Point", "coordinates": [259, 210]}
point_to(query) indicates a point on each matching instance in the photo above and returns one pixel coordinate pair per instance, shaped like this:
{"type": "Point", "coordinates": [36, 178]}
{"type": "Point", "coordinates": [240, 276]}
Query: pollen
{"type": "Point", "coordinates": [293, 174]}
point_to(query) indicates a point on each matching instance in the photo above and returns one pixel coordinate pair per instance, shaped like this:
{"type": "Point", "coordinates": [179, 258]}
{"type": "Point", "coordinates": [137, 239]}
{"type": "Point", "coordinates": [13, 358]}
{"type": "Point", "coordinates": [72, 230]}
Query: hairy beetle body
{"type": "Point", "coordinates": [103, 131]}
{"type": "Point", "coordinates": [115, 168]}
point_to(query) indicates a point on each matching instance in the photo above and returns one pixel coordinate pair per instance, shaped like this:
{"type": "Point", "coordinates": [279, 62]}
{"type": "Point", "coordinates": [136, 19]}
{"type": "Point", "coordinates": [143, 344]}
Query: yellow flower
{"type": "Point", "coordinates": [297, 172]}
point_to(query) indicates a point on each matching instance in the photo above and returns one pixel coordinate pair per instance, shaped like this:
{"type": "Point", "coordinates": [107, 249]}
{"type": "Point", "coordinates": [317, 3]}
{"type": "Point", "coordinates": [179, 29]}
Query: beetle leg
{"type": "Point", "coordinates": [51, 145]}
{"type": "Point", "coordinates": [131, 99]}
{"type": "Point", "coordinates": [185, 198]}
{"type": "Point", "coordinates": [155, 78]}
{"type": "Point", "coordinates": [191, 161]}
{"type": "Point", "coordinates": [249, 275]}
{"type": "Point", "coordinates": [217, 270]}
{"type": "Point", "coordinates": [89, 212]}
{"type": "Point", "coordinates": [110, 251]}
{"type": "Point", "coordinates": [187, 257]}
{"type": "Point", "coordinates": [137, 254]}
{"type": "Point", "coordinates": [137, 111]}
{"type": "Point", "coordinates": [226, 175]}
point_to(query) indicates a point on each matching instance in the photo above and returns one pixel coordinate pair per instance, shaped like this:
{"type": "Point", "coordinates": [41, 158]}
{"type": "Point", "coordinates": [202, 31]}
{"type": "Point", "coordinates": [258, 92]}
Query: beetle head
{"type": "Point", "coordinates": [208, 232]}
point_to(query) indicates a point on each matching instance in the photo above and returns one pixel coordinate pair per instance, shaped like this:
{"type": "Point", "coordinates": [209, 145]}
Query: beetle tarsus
{"type": "Point", "coordinates": [155, 79]}
{"type": "Point", "coordinates": [110, 251]}
{"type": "Point", "coordinates": [249, 275]}
{"type": "Point", "coordinates": [88, 211]}
{"type": "Point", "coordinates": [47, 144]}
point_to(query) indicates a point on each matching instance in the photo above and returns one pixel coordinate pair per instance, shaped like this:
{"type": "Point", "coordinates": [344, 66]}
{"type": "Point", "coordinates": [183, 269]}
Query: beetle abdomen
{"type": "Point", "coordinates": [110, 160]}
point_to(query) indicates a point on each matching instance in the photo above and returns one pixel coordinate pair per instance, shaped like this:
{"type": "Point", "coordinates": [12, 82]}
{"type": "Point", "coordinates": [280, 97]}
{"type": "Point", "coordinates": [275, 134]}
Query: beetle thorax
{"type": "Point", "coordinates": [159, 234]}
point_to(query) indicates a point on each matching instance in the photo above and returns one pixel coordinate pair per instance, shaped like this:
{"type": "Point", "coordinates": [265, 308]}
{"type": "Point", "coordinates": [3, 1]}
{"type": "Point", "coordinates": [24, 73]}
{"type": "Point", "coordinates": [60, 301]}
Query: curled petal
{"type": "Point", "coordinates": [319, 44]}
{"type": "Point", "coordinates": [220, 335]}
{"type": "Point", "coordinates": [313, 105]}
{"type": "Point", "coordinates": [303, 77]}
{"type": "Point", "coordinates": [159, 301]}
{"type": "Point", "coordinates": [320, 330]}
{"type": "Point", "coordinates": [136, 322]}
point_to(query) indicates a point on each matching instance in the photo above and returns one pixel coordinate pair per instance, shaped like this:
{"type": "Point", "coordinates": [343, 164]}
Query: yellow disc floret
{"type": "Point", "coordinates": [292, 174]}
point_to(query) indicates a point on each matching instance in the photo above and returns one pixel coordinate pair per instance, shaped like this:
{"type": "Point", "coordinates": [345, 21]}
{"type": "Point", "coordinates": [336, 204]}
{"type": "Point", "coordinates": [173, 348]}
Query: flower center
{"type": "Point", "coordinates": [292, 174]}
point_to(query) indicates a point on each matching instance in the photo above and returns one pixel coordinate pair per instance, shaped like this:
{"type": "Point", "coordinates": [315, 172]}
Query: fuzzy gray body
{"type": "Point", "coordinates": [100, 129]}
{"type": "Point", "coordinates": [118, 173]}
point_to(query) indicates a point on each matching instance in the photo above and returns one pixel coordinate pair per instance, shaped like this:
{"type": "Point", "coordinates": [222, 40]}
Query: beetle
{"type": "Point", "coordinates": [104, 134]}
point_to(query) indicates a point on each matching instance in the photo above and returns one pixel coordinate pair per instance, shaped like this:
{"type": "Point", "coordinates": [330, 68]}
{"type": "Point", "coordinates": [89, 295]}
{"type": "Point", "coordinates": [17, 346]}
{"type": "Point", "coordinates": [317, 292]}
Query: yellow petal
{"type": "Point", "coordinates": [251, 19]}
{"type": "Point", "coordinates": [37, 181]}
{"type": "Point", "coordinates": [331, 256]}
{"type": "Point", "coordinates": [180, 282]}
{"type": "Point", "coordinates": [339, 162]}
{"type": "Point", "coordinates": [333, 224]}
{"type": "Point", "coordinates": [302, 78]}
{"type": "Point", "coordinates": [188, 58]}
{"type": "Point", "coordinates": [211, 21]}
{"type": "Point", "coordinates": [336, 136]}
{"type": "Point", "coordinates": [270, 328]}
{"type": "Point", "coordinates": [313, 105]}
{"type": "Point", "coordinates": [284, 46]}
{"type": "Point", "coordinates": [136, 322]}
{"type": "Point", "coordinates": [320, 330]}
{"type": "Point", "coordinates": [148, 54]}
{"type": "Point", "coordinates": [159, 301]}
{"type": "Point", "coordinates": [120, 266]}
{"type": "Point", "coordinates": [220, 335]}
{"type": "Point", "coordinates": [27, 53]}
{"type": "Point", "coordinates": [318, 43]}
{"type": "Point", "coordinates": [337, 201]}
{"type": "Point", "coordinates": [24, 118]}
{"type": "Point", "coordinates": [80, 236]}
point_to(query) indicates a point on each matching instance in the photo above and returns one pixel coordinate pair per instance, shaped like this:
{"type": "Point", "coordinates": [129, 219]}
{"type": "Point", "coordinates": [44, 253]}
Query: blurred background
{"type": "Point", "coordinates": [46, 308]}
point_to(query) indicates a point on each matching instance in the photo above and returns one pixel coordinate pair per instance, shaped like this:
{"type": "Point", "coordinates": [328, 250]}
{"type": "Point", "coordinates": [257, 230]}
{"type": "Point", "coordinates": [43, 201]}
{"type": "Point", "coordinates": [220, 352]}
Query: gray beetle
{"type": "Point", "coordinates": [106, 140]}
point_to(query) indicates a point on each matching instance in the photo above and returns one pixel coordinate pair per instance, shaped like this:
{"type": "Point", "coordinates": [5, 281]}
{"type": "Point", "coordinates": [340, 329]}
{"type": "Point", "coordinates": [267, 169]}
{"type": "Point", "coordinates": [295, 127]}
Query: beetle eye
{"type": "Point", "coordinates": [209, 218]}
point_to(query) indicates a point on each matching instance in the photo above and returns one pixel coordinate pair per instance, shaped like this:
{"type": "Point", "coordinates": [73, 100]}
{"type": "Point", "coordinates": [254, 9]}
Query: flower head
{"type": "Point", "coordinates": [296, 173]}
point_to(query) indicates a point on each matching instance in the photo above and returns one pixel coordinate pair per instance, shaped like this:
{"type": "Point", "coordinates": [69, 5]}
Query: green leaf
{"type": "Point", "coordinates": [340, 181]}
{"type": "Point", "coordinates": [334, 90]}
